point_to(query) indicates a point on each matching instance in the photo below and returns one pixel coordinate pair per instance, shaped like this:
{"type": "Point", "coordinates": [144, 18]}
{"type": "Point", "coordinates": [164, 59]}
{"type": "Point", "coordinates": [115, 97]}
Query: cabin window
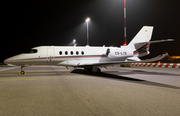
{"type": "Point", "coordinates": [77, 52]}
{"type": "Point", "coordinates": [66, 52]}
{"type": "Point", "coordinates": [82, 52]}
{"type": "Point", "coordinates": [71, 52]}
{"type": "Point", "coordinates": [33, 51]}
{"type": "Point", "coordinates": [60, 52]}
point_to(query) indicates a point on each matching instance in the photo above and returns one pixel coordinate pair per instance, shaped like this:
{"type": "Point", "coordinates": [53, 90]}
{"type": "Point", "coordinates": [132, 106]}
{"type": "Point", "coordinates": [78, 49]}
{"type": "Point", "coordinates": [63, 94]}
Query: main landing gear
{"type": "Point", "coordinates": [22, 72]}
{"type": "Point", "coordinates": [94, 69]}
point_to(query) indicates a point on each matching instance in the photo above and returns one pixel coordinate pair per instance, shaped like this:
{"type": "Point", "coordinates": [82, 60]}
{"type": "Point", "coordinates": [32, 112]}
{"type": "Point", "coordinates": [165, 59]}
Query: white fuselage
{"type": "Point", "coordinates": [70, 56]}
{"type": "Point", "coordinates": [89, 58]}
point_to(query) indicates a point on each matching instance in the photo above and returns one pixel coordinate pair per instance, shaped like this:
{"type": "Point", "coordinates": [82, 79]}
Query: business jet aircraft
{"type": "Point", "coordinates": [89, 58]}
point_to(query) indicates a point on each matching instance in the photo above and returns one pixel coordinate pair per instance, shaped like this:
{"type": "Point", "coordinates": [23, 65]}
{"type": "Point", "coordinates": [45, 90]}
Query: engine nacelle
{"type": "Point", "coordinates": [118, 53]}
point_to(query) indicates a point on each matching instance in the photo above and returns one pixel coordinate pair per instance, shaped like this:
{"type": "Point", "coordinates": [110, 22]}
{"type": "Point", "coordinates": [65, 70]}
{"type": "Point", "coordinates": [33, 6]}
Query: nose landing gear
{"type": "Point", "coordinates": [22, 72]}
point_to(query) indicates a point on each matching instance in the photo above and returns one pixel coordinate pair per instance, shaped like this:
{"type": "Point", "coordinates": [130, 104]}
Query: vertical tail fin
{"type": "Point", "coordinates": [138, 43]}
{"type": "Point", "coordinates": [144, 35]}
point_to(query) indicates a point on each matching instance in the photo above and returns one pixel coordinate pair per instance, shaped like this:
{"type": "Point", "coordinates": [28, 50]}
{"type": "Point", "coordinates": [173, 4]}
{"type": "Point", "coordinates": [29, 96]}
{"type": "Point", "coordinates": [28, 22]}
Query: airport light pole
{"type": "Point", "coordinates": [124, 23]}
{"type": "Point", "coordinates": [74, 41]}
{"type": "Point", "coordinates": [87, 20]}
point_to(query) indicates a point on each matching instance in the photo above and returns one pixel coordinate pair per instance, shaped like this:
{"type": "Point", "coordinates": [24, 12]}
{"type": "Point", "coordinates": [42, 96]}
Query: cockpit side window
{"type": "Point", "coordinates": [33, 51]}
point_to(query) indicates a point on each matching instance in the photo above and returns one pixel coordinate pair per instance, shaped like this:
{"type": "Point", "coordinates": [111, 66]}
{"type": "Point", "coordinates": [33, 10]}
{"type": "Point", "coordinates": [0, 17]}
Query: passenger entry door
{"type": "Point", "coordinates": [50, 55]}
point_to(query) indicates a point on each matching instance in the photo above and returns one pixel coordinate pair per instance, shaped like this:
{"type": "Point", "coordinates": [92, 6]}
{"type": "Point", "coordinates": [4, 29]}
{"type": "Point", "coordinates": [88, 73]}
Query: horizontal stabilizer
{"type": "Point", "coordinates": [157, 41]}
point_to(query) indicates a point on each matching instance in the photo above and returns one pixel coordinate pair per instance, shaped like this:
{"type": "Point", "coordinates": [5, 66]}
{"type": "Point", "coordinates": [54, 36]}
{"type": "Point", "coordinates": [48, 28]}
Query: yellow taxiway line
{"type": "Point", "coordinates": [26, 79]}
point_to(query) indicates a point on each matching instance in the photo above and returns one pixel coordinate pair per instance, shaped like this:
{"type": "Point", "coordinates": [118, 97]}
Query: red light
{"type": "Point", "coordinates": [124, 44]}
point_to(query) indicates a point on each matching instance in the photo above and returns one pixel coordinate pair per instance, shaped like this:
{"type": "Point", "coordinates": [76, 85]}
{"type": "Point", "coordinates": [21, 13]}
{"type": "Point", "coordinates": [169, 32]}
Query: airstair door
{"type": "Point", "coordinates": [50, 55]}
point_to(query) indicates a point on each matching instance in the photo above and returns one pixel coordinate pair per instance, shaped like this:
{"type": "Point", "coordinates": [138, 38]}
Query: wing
{"type": "Point", "coordinates": [122, 62]}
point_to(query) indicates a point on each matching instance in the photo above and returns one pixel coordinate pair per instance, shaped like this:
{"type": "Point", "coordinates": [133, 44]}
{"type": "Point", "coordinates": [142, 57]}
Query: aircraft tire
{"type": "Point", "coordinates": [22, 72]}
{"type": "Point", "coordinates": [88, 69]}
{"type": "Point", "coordinates": [98, 70]}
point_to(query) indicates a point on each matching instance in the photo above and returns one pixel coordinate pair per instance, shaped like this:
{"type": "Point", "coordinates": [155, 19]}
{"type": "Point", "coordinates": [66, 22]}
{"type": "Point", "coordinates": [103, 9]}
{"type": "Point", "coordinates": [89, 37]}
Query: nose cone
{"type": "Point", "coordinates": [8, 61]}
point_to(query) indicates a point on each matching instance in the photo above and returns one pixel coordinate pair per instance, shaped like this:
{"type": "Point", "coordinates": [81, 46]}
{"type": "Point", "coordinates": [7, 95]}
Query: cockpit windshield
{"type": "Point", "coordinates": [33, 51]}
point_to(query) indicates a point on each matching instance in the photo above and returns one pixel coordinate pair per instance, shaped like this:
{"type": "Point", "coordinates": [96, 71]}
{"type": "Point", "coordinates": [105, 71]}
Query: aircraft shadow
{"type": "Point", "coordinates": [123, 78]}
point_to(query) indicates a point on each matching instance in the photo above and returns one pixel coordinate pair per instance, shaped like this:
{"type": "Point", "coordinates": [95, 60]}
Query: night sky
{"type": "Point", "coordinates": [28, 24]}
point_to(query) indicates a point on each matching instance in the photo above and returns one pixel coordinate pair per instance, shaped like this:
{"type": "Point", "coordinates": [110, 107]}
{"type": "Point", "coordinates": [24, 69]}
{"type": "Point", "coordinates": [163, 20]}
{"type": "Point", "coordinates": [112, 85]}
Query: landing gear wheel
{"type": "Point", "coordinates": [88, 69]}
{"type": "Point", "coordinates": [22, 72]}
{"type": "Point", "coordinates": [98, 70]}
